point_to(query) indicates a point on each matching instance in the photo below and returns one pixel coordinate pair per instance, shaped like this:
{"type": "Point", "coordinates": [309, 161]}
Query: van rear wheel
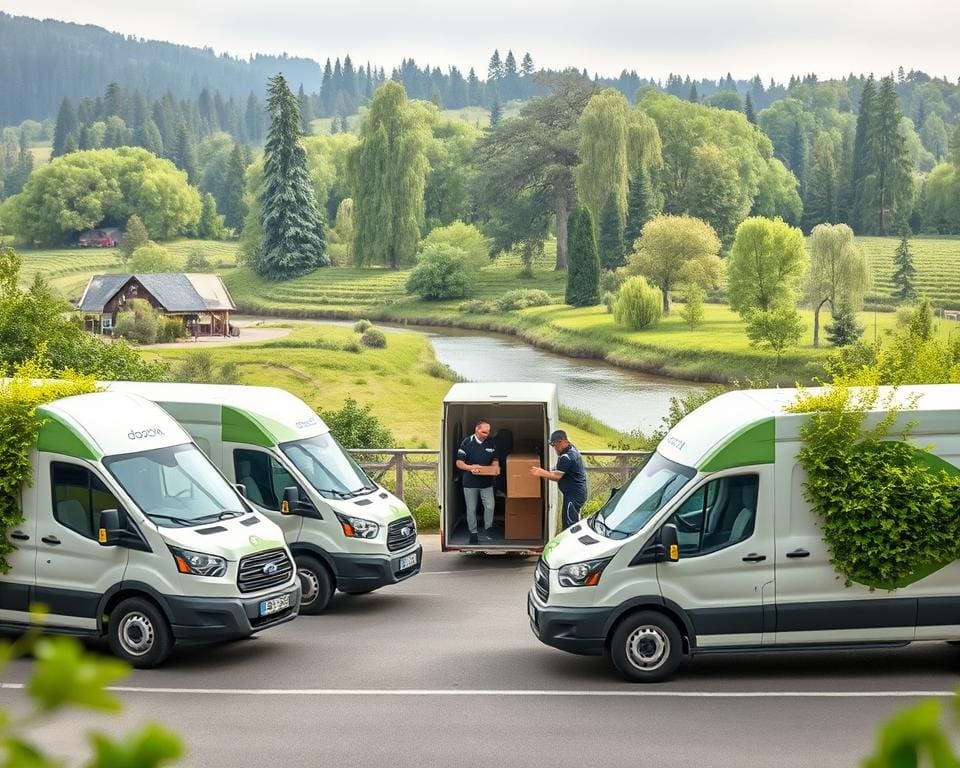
{"type": "Point", "coordinates": [646, 647]}
{"type": "Point", "coordinates": [316, 585]}
{"type": "Point", "coordinates": [139, 633]}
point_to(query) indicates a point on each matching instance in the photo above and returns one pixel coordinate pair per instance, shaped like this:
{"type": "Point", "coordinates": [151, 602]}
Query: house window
{"type": "Point", "coordinates": [106, 322]}
{"type": "Point", "coordinates": [133, 290]}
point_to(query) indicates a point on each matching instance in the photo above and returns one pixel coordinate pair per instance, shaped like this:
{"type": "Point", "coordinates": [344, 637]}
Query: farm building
{"type": "Point", "coordinates": [201, 300]}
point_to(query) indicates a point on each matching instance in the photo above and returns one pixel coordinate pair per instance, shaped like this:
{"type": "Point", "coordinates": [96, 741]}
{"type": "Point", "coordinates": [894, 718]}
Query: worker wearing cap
{"type": "Point", "coordinates": [569, 475]}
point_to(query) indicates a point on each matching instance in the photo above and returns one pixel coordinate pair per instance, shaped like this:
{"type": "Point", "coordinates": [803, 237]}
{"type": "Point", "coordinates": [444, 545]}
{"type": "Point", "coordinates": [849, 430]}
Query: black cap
{"type": "Point", "coordinates": [557, 435]}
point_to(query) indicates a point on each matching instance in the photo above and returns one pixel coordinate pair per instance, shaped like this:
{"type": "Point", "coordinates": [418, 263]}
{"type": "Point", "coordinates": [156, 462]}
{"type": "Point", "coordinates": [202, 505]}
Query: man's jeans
{"type": "Point", "coordinates": [471, 495]}
{"type": "Point", "coordinates": [571, 510]}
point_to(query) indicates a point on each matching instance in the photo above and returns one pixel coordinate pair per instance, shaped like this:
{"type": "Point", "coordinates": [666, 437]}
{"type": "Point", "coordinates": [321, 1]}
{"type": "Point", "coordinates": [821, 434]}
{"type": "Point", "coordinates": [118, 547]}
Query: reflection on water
{"type": "Point", "coordinates": [626, 400]}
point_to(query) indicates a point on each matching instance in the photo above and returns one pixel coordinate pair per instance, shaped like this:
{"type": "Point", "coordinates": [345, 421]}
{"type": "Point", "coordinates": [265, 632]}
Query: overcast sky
{"type": "Point", "coordinates": [703, 38]}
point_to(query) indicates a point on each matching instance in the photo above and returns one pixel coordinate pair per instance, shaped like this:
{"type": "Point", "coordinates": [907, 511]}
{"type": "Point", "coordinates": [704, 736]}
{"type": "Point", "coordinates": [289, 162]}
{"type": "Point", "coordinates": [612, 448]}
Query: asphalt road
{"type": "Point", "coordinates": [442, 670]}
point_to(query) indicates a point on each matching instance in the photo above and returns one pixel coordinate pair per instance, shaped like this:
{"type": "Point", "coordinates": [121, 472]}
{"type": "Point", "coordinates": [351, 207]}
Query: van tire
{"type": "Point", "coordinates": [646, 647]}
{"type": "Point", "coordinates": [139, 634]}
{"type": "Point", "coordinates": [316, 585]}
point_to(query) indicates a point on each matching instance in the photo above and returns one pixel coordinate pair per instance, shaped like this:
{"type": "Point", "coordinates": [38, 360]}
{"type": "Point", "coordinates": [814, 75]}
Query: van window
{"type": "Point", "coordinates": [79, 496]}
{"type": "Point", "coordinates": [263, 476]}
{"type": "Point", "coordinates": [718, 514]}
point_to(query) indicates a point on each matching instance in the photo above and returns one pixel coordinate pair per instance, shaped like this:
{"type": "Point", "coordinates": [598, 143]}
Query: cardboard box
{"type": "Point", "coordinates": [520, 483]}
{"type": "Point", "coordinates": [493, 471]}
{"type": "Point", "coordinates": [523, 519]}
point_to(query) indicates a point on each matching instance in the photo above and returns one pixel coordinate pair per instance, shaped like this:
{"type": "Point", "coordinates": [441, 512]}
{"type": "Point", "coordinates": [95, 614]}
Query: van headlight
{"type": "Point", "coordinates": [586, 574]}
{"type": "Point", "coordinates": [357, 527]}
{"type": "Point", "coordinates": [198, 564]}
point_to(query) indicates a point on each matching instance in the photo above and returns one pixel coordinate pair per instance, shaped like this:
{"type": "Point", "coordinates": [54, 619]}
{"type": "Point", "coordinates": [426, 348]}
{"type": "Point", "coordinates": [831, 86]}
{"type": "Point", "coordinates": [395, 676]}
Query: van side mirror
{"type": "Point", "coordinates": [110, 532]}
{"type": "Point", "coordinates": [668, 540]}
{"type": "Point", "coordinates": [293, 504]}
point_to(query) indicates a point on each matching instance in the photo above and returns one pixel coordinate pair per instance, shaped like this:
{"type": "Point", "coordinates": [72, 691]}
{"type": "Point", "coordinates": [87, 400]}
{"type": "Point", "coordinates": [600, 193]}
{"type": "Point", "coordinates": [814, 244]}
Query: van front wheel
{"type": "Point", "coordinates": [646, 647]}
{"type": "Point", "coordinates": [139, 633]}
{"type": "Point", "coordinates": [316, 585]}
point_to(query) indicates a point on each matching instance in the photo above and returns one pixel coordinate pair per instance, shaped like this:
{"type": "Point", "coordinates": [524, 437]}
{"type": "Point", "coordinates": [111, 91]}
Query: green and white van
{"type": "Point", "coordinates": [712, 547]}
{"type": "Point", "coordinates": [130, 532]}
{"type": "Point", "coordinates": [346, 532]}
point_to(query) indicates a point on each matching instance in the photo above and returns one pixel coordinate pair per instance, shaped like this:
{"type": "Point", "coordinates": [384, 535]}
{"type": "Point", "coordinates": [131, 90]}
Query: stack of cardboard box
{"type": "Point", "coordinates": [524, 507]}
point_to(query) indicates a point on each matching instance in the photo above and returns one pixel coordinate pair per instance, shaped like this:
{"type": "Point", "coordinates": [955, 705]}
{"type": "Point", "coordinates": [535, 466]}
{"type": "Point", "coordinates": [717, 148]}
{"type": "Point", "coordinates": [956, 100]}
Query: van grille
{"type": "Point", "coordinates": [401, 534]}
{"type": "Point", "coordinates": [541, 580]}
{"type": "Point", "coordinates": [264, 570]}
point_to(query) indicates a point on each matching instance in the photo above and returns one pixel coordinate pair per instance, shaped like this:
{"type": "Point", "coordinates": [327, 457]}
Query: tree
{"type": "Point", "coordinates": [610, 244]}
{"type": "Point", "coordinates": [776, 329]}
{"type": "Point", "coordinates": [234, 208]}
{"type": "Point", "coordinates": [148, 137]}
{"type": "Point", "coordinates": [496, 111]}
{"type": "Point", "coordinates": [890, 184]}
{"type": "Point", "coordinates": [466, 237]}
{"type": "Point", "coordinates": [153, 258]}
{"type": "Point", "coordinates": [692, 309]}
{"type": "Point", "coordinates": [713, 192]}
{"type": "Point", "coordinates": [859, 165]}
{"type": "Point", "coordinates": [845, 329]}
{"type": "Point", "coordinates": [765, 266]}
{"type": "Point", "coordinates": [211, 225]}
{"type": "Point", "coordinates": [138, 321]}
{"type": "Point", "coordinates": [583, 275]}
{"type": "Point", "coordinates": [748, 111]}
{"type": "Point", "coordinates": [821, 202]}
{"type": "Point", "coordinates": [447, 189]}
{"type": "Point", "coordinates": [184, 154]}
{"type": "Point", "coordinates": [637, 304]}
{"type": "Point", "coordinates": [639, 209]}
{"type": "Point", "coordinates": [676, 249]}
{"type": "Point", "coordinates": [603, 169]}
{"type": "Point", "coordinates": [66, 126]}
{"type": "Point", "coordinates": [838, 273]}
{"type": "Point", "coordinates": [355, 427]}
{"type": "Point", "coordinates": [525, 170]}
{"type": "Point", "coordinates": [442, 272]}
{"type": "Point", "coordinates": [387, 171]}
{"type": "Point", "coordinates": [294, 237]}
{"type": "Point", "coordinates": [904, 288]}
{"type": "Point", "coordinates": [306, 111]}
{"type": "Point", "coordinates": [134, 236]}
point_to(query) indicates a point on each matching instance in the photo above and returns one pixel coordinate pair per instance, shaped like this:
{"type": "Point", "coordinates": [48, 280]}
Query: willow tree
{"type": "Point", "coordinates": [838, 274]}
{"type": "Point", "coordinates": [603, 169]}
{"type": "Point", "coordinates": [387, 173]}
{"type": "Point", "coordinates": [766, 266]}
{"type": "Point", "coordinates": [294, 238]}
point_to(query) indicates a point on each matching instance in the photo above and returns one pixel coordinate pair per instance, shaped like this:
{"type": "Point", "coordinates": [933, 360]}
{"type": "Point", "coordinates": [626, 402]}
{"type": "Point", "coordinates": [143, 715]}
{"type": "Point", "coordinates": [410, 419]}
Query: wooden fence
{"type": "Point", "coordinates": [411, 473]}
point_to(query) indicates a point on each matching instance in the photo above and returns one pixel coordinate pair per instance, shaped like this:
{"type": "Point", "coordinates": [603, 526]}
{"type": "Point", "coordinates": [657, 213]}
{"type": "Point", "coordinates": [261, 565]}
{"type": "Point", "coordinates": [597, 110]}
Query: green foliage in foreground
{"type": "Point", "coordinates": [65, 677]}
{"type": "Point", "coordinates": [354, 426]}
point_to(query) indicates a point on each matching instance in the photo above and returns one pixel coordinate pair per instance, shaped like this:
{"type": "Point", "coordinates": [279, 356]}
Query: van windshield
{"type": "Point", "coordinates": [176, 486]}
{"type": "Point", "coordinates": [329, 468]}
{"type": "Point", "coordinates": [658, 481]}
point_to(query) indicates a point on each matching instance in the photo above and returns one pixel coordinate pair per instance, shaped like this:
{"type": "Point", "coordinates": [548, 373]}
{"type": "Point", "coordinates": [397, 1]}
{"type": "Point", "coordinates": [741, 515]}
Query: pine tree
{"type": "Point", "coordinates": [820, 204]}
{"type": "Point", "coordinates": [327, 96]}
{"type": "Point", "coordinates": [845, 328]}
{"type": "Point", "coordinates": [184, 154]}
{"type": "Point", "coordinates": [496, 113]}
{"type": "Point", "coordinates": [748, 110]}
{"type": "Point", "coordinates": [694, 96]}
{"type": "Point", "coordinates": [148, 137]}
{"type": "Point", "coordinates": [611, 236]}
{"type": "Point", "coordinates": [495, 68]}
{"type": "Point", "coordinates": [211, 225]}
{"type": "Point", "coordinates": [638, 209]}
{"type": "Point", "coordinates": [66, 126]}
{"type": "Point", "coordinates": [859, 168]}
{"type": "Point", "coordinates": [294, 237]}
{"type": "Point", "coordinates": [252, 118]}
{"type": "Point", "coordinates": [904, 288]}
{"type": "Point", "coordinates": [306, 111]}
{"type": "Point", "coordinates": [234, 210]}
{"type": "Point", "coordinates": [583, 273]}
{"type": "Point", "coordinates": [888, 161]}
{"type": "Point", "coordinates": [526, 66]}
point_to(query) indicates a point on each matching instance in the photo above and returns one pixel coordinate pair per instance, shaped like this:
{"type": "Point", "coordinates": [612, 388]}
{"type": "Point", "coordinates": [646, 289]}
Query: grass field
{"type": "Point", "coordinates": [938, 268]}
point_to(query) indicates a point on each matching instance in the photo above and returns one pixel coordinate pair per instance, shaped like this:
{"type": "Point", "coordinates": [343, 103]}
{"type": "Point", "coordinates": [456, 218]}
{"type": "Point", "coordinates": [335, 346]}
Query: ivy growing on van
{"type": "Point", "coordinates": [19, 426]}
{"type": "Point", "coordinates": [888, 509]}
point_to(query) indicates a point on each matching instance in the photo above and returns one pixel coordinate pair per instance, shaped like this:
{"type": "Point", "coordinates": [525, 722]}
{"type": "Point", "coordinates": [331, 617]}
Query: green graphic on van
{"type": "Point", "coordinates": [244, 427]}
{"type": "Point", "coordinates": [59, 436]}
{"type": "Point", "coordinates": [753, 444]}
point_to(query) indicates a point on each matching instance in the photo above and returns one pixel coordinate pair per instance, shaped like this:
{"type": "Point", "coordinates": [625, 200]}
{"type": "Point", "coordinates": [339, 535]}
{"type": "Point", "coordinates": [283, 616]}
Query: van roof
{"type": "Point", "coordinates": [264, 416]}
{"type": "Point", "coordinates": [100, 424]}
{"type": "Point", "coordinates": [741, 428]}
{"type": "Point", "coordinates": [496, 392]}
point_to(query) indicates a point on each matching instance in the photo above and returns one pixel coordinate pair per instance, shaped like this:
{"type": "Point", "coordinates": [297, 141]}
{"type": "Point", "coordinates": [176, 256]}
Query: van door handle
{"type": "Point", "coordinates": [50, 540]}
{"type": "Point", "coordinates": [753, 557]}
{"type": "Point", "coordinates": [19, 536]}
{"type": "Point", "coordinates": [798, 553]}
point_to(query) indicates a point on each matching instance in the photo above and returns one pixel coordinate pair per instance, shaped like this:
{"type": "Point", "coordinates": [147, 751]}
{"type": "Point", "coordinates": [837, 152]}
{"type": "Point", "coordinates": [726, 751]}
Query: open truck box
{"type": "Point", "coordinates": [522, 416]}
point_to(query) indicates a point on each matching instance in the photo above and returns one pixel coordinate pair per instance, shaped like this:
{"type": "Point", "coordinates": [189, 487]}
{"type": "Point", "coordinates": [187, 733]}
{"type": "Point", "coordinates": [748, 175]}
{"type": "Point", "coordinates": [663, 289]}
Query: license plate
{"type": "Point", "coordinates": [274, 605]}
{"type": "Point", "coordinates": [408, 562]}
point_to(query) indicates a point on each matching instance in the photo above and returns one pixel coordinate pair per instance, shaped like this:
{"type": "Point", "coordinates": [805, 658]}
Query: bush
{"type": "Point", "coordinates": [361, 325]}
{"type": "Point", "coordinates": [608, 299]}
{"type": "Point", "coordinates": [170, 329]}
{"type": "Point", "coordinates": [777, 330]}
{"type": "Point", "coordinates": [139, 321]}
{"type": "Point", "coordinates": [478, 307]}
{"type": "Point", "coordinates": [200, 368]}
{"type": "Point", "coordinates": [355, 427]}
{"type": "Point", "coordinates": [522, 298]}
{"type": "Point", "coordinates": [352, 345]}
{"type": "Point", "coordinates": [374, 338]}
{"type": "Point", "coordinates": [442, 371]}
{"type": "Point", "coordinates": [441, 273]}
{"type": "Point", "coordinates": [637, 305]}
{"type": "Point", "coordinates": [426, 516]}
{"type": "Point", "coordinates": [466, 237]}
{"type": "Point", "coordinates": [153, 258]}
{"type": "Point", "coordinates": [612, 279]}
{"type": "Point", "coordinates": [134, 236]}
{"type": "Point", "coordinates": [692, 309]}
{"type": "Point", "coordinates": [197, 261]}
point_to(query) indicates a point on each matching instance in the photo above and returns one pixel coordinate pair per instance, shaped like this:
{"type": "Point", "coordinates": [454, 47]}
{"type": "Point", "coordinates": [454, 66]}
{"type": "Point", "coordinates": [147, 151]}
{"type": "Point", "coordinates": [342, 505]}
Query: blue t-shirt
{"type": "Point", "coordinates": [573, 484]}
{"type": "Point", "coordinates": [473, 452]}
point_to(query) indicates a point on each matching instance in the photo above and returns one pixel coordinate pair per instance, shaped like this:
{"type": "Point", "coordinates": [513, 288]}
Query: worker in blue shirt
{"type": "Point", "coordinates": [570, 476]}
{"type": "Point", "coordinates": [478, 450]}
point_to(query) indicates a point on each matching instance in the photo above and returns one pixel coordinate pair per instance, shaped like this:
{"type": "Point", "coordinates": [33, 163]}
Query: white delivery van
{"type": "Point", "coordinates": [522, 416]}
{"type": "Point", "coordinates": [712, 547]}
{"type": "Point", "coordinates": [130, 532]}
{"type": "Point", "coordinates": [345, 531]}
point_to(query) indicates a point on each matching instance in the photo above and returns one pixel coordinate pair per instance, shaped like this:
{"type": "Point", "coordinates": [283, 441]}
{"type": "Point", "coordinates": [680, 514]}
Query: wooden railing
{"type": "Point", "coordinates": [411, 473]}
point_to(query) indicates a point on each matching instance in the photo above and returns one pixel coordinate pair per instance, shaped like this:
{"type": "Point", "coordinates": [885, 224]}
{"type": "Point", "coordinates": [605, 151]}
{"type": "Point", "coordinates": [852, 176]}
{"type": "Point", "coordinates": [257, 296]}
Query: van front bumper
{"type": "Point", "coordinates": [575, 630]}
{"type": "Point", "coordinates": [208, 619]}
{"type": "Point", "coordinates": [364, 573]}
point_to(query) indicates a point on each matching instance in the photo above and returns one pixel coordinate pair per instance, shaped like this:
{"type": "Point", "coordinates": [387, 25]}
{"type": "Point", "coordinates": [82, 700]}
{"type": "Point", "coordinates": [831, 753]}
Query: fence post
{"type": "Point", "coordinates": [398, 459]}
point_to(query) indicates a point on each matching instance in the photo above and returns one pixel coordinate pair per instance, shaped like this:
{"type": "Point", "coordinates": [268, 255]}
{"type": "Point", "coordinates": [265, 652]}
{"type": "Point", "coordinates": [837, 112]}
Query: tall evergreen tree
{"type": "Point", "coordinates": [904, 288]}
{"type": "Point", "coordinates": [820, 204]}
{"type": "Point", "coordinates": [856, 191]}
{"type": "Point", "coordinates": [693, 96]}
{"type": "Point", "coordinates": [253, 118]}
{"type": "Point", "coordinates": [845, 328]}
{"type": "Point", "coordinates": [294, 237]}
{"type": "Point", "coordinates": [306, 111]}
{"type": "Point", "coordinates": [890, 187]}
{"type": "Point", "coordinates": [495, 68]}
{"type": "Point", "coordinates": [496, 113]}
{"type": "Point", "coordinates": [748, 110]}
{"type": "Point", "coordinates": [610, 244]}
{"type": "Point", "coordinates": [583, 272]}
{"type": "Point", "coordinates": [148, 137]}
{"type": "Point", "coordinates": [327, 96]}
{"type": "Point", "coordinates": [234, 210]}
{"type": "Point", "coordinates": [526, 66]}
{"type": "Point", "coordinates": [184, 154]}
{"type": "Point", "coordinates": [66, 125]}
{"type": "Point", "coordinates": [511, 82]}
{"type": "Point", "coordinates": [639, 209]}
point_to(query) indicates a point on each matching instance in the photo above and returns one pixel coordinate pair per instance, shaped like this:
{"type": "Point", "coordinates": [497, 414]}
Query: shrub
{"type": "Point", "coordinates": [139, 321]}
{"type": "Point", "coordinates": [441, 273]}
{"type": "Point", "coordinates": [608, 299]}
{"type": "Point", "coordinates": [153, 258]}
{"type": "Point", "coordinates": [638, 305]}
{"type": "Point", "coordinates": [361, 325]}
{"type": "Point", "coordinates": [777, 329]}
{"type": "Point", "coordinates": [352, 345]}
{"type": "Point", "coordinates": [200, 368]}
{"type": "Point", "coordinates": [522, 298]}
{"type": "Point", "coordinates": [355, 427]}
{"type": "Point", "coordinates": [374, 338]}
{"type": "Point", "coordinates": [466, 237]}
{"type": "Point", "coordinates": [133, 237]}
{"type": "Point", "coordinates": [197, 261]}
{"type": "Point", "coordinates": [478, 307]}
{"type": "Point", "coordinates": [427, 516]}
{"type": "Point", "coordinates": [442, 371]}
{"type": "Point", "coordinates": [170, 329]}
{"type": "Point", "coordinates": [612, 279]}
{"type": "Point", "coordinates": [692, 309]}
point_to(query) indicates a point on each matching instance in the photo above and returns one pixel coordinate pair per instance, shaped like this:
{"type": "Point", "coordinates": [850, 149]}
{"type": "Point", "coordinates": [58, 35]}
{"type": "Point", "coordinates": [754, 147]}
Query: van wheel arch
{"type": "Point", "coordinates": [318, 581]}
{"type": "Point", "coordinates": [112, 600]}
{"type": "Point", "coordinates": [682, 628]}
{"type": "Point", "coordinates": [646, 645]}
